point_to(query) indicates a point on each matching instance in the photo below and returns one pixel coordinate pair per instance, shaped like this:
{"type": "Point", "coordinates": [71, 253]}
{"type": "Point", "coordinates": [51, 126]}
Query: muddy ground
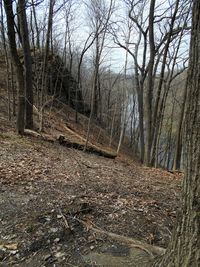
{"type": "Point", "coordinates": [47, 191]}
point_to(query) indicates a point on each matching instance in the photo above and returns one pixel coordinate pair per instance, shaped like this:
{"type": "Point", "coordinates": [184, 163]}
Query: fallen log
{"type": "Point", "coordinates": [72, 144]}
{"type": "Point", "coordinates": [81, 146]}
{"type": "Point", "coordinates": [43, 136]}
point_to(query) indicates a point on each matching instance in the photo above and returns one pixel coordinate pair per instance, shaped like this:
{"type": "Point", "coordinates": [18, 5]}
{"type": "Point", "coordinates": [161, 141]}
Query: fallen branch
{"type": "Point", "coordinates": [151, 250]}
{"type": "Point", "coordinates": [45, 137]}
{"type": "Point", "coordinates": [91, 148]}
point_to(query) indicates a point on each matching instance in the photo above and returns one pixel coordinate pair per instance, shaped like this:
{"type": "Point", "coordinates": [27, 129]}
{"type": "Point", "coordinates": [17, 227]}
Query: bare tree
{"type": "Point", "coordinates": [179, 134]}
{"type": "Point", "coordinates": [3, 37]}
{"type": "Point", "coordinates": [184, 248]}
{"type": "Point", "coordinates": [27, 64]}
{"type": "Point", "coordinates": [149, 53]}
{"type": "Point", "coordinates": [36, 25]}
{"type": "Point", "coordinates": [8, 5]}
{"type": "Point", "coordinates": [45, 64]}
{"type": "Point", "coordinates": [100, 14]}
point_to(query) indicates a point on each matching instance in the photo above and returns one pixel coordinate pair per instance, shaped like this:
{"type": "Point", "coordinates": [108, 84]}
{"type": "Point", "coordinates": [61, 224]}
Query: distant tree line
{"type": "Point", "coordinates": [142, 102]}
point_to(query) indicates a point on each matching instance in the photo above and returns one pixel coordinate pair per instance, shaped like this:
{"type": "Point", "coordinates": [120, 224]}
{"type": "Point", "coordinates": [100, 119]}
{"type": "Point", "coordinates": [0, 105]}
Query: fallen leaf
{"type": "Point", "coordinates": [12, 246]}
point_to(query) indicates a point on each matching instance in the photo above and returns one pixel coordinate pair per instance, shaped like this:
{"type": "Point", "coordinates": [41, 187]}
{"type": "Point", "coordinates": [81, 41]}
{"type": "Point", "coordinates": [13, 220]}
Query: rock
{"type": "Point", "coordinates": [56, 240]}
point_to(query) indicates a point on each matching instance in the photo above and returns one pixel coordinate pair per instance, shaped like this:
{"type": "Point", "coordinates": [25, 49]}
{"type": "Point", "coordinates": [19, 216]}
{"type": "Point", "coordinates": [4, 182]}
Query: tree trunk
{"type": "Point", "coordinates": [13, 90]}
{"type": "Point", "coordinates": [155, 119]}
{"type": "Point", "coordinates": [46, 55]}
{"type": "Point", "coordinates": [36, 25]}
{"type": "Point", "coordinates": [27, 64]}
{"type": "Point", "coordinates": [18, 66]}
{"type": "Point", "coordinates": [7, 62]}
{"type": "Point", "coordinates": [178, 149]}
{"type": "Point", "coordinates": [150, 86]}
{"type": "Point", "coordinates": [90, 118]}
{"type": "Point", "coordinates": [184, 248]}
{"type": "Point", "coordinates": [96, 80]}
{"type": "Point", "coordinates": [141, 122]}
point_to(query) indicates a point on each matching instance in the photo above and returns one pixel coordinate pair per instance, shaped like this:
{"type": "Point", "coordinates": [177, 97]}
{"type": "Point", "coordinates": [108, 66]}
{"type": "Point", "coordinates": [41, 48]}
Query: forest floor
{"type": "Point", "coordinates": [50, 196]}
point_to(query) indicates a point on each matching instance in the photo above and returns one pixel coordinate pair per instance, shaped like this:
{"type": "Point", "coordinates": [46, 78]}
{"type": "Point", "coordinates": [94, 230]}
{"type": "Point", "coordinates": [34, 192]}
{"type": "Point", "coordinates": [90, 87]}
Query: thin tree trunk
{"type": "Point", "coordinates": [141, 122]}
{"type": "Point", "coordinates": [178, 148]}
{"type": "Point", "coordinates": [27, 65]}
{"type": "Point", "coordinates": [112, 125]}
{"type": "Point", "coordinates": [36, 25]}
{"type": "Point", "coordinates": [7, 62]}
{"type": "Point", "coordinates": [161, 78]}
{"type": "Point", "coordinates": [96, 79]}
{"type": "Point", "coordinates": [140, 95]}
{"type": "Point", "coordinates": [13, 90]}
{"type": "Point", "coordinates": [90, 118]}
{"type": "Point", "coordinates": [150, 86]}
{"type": "Point", "coordinates": [45, 66]}
{"type": "Point", "coordinates": [17, 64]}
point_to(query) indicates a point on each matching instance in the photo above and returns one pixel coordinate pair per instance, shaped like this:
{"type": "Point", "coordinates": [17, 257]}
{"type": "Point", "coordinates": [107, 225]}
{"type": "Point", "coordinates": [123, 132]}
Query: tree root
{"type": "Point", "coordinates": [150, 249]}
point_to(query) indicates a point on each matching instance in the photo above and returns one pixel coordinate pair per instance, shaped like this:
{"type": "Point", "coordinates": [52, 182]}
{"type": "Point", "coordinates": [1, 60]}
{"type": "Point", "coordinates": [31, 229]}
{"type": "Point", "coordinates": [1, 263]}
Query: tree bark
{"type": "Point", "coordinates": [155, 118]}
{"type": "Point", "coordinates": [184, 248]}
{"type": "Point", "coordinates": [45, 64]}
{"type": "Point", "coordinates": [150, 86]}
{"type": "Point", "coordinates": [27, 64]}
{"type": "Point", "coordinates": [178, 149]}
{"type": "Point", "coordinates": [3, 37]}
{"type": "Point", "coordinates": [17, 64]}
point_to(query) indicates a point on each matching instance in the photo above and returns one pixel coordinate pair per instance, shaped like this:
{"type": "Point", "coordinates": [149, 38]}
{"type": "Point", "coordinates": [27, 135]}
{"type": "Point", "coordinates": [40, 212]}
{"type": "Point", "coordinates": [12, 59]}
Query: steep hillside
{"type": "Point", "coordinates": [45, 185]}
{"type": "Point", "coordinates": [59, 117]}
{"type": "Point", "coordinates": [60, 206]}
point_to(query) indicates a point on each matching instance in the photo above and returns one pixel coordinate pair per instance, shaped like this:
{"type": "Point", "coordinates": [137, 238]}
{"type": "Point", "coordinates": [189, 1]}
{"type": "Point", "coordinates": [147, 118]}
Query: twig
{"type": "Point", "coordinates": [64, 220]}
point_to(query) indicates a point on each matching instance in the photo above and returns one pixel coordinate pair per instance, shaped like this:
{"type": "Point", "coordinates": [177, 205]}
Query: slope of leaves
{"type": "Point", "coordinates": [41, 182]}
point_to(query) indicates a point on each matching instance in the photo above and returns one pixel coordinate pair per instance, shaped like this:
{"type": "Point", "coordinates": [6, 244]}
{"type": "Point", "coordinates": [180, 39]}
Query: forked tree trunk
{"type": "Point", "coordinates": [184, 248]}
